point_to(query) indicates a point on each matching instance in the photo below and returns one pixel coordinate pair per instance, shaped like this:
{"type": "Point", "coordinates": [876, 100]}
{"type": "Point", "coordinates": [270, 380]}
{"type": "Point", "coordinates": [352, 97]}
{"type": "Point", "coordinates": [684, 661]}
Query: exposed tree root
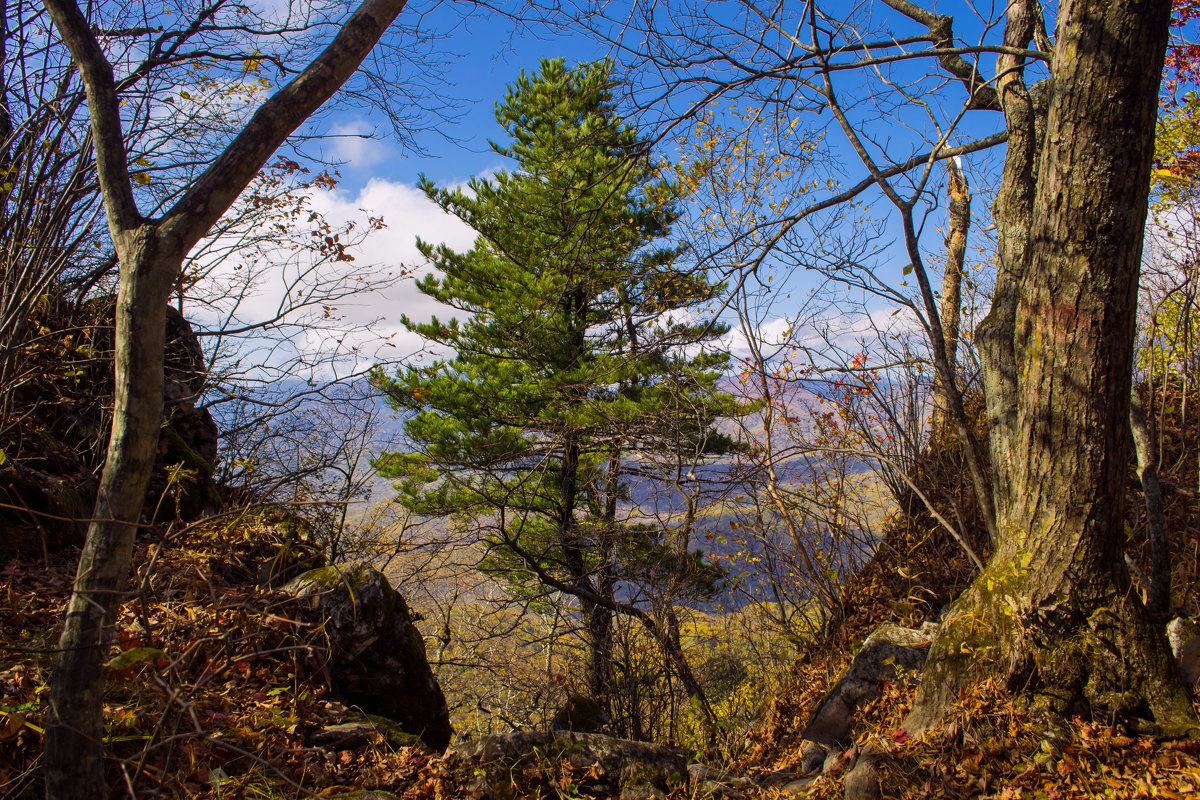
{"type": "Point", "coordinates": [1109, 663]}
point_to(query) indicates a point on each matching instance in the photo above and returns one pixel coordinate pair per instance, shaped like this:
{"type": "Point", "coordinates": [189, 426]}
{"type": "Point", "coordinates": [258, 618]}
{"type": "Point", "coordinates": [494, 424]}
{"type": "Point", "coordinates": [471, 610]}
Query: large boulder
{"type": "Point", "coordinates": [378, 658]}
{"type": "Point", "coordinates": [189, 434]}
{"type": "Point", "coordinates": [888, 649]}
{"type": "Point", "coordinates": [52, 450]}
{"type": "Point", "coordinates": [601, 766]}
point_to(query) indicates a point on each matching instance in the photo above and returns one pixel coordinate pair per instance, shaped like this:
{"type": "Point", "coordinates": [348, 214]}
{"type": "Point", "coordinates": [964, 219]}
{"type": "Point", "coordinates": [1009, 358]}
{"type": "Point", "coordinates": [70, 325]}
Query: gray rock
{"type": "Point", "coordinates": [885, 651]}
{"type": "Point", "coordinates": [190, 436]}
{"type": "Point", "coordinates": [813, 756]}
{"type": "Point", "coordinates": [717, 789]}
{"type": "Point", "coordinates": [862, 782]}
{"type": "Point", "coordinates": [1184, 636]}
{"type": "Point", "coordinates": [358, 731]}
{"type": "Point", "coordinates": [780, 777]}
{"type": "Point", "coordinates": [378, 656]}
{"type": "Point", "coordinates": [630, 770]}
{"type": "Point", "coordinates": [799, 787]}
{"type": "Point", "coordinates": [709, 782]}
{"type": "Point", "coordinates": [345, 736]}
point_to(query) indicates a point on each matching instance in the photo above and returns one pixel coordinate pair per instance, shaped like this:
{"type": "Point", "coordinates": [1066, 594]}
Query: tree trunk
{"type": "Point", "coordinates": [1053, 610]}
{"type": "Point", "coordinates": [1158, 592]}
{"type": "Point", "coordinates": [74, 728]}
{"type": "Point", "coordinates": [942, 424]}
{"type": "Point", "coordinates": [598, 621]}
{"type": "Point", "coordinates": [151, 254]}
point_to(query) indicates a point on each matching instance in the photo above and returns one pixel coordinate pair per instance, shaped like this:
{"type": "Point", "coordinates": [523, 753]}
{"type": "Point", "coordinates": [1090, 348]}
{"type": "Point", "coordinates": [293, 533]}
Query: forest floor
{"type": "Point", "coordinates": [213, 694]}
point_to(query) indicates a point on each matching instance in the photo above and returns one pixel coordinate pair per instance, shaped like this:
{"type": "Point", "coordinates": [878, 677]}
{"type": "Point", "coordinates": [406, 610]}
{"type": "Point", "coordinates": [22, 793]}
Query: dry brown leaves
{"type": "Point", "coordinates": [214, 692]}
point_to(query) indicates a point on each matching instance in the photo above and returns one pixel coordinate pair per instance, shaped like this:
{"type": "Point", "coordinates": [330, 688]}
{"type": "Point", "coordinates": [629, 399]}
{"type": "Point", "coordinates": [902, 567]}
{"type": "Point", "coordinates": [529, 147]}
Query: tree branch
{"type": "Point", "coordinates": [216, 189]}
{"type": "Point", "coordinates": [104, 109]}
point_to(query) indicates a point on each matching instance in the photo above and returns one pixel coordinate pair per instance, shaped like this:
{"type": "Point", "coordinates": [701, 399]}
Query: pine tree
{"type": "Point", "coordinates": [580, 360]}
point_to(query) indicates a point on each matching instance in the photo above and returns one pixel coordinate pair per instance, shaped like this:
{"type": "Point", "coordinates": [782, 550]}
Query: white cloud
{"type": "Point", "coordinates": [834, 332]}
{"type": "Point", "coordinates": [363, 326]}
{"type": "Point", "coordinates": [407, 214]}
{"type": "Point", "coordinates": [353, 143]}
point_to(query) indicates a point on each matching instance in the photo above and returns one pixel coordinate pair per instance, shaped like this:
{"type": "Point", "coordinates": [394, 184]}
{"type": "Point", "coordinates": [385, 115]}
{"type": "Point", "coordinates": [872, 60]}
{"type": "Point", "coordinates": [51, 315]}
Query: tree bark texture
{"type": "Point", "coordinates": [956, 255]}
{"type": "Point", "coordinates": [1054, 610]}
{"type": "Point", "coordinates": [151, 254]}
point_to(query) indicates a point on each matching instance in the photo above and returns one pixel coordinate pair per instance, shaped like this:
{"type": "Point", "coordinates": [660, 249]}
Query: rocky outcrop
{"type": "Point", "coordinates": [189, 434]}
{"type": "Point", "coordinates": [57, 510]}
{"type": "Point", "coordinates": [604, 766]}
{"type": "Point", "coordinates": [182, 481]}
{"type": "Point", "coordinates": [885, 651]}
{"type": "Point", "coordinates": [378, 660]}
{"type": "Point", "coordinates": [55, 446]}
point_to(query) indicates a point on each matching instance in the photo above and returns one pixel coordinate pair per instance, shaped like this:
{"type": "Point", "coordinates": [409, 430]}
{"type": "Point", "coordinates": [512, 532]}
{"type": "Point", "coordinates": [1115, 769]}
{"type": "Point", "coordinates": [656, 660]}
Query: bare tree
{"type": "Point", "coordinates": [151, 253]}
{"type": "Point", "coordinates": [1052, 610]}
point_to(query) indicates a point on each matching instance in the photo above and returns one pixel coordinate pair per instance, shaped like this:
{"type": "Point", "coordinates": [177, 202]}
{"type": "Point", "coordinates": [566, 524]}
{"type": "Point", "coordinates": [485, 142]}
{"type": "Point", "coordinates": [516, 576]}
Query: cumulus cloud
{"type": "Point", "coordinates": [362, 327]}
{"type": "Point", "coordinates": [835, 332]}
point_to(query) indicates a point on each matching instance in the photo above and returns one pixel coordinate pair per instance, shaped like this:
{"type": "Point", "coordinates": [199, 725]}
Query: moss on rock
{"type": "Point", "coordinates": [378, 659]}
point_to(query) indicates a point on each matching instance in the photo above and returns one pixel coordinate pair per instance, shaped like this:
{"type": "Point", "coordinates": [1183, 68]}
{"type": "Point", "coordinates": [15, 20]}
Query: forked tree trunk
{"type": "Point", "coordinates": [1054, 611]}
{"type": "Point", "coordinates": [151, 253]}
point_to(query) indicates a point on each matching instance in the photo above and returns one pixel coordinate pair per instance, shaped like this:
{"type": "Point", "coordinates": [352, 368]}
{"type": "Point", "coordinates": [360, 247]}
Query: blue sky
{"type": "Point", "coordinates": [483, 55]}
{"type": "Point", "coordinates": [378, 174]}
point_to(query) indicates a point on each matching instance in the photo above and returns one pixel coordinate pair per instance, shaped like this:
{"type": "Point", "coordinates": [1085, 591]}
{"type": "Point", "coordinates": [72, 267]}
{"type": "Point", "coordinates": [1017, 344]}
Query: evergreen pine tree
{"type": "Point", "coordinates": [579, 359]}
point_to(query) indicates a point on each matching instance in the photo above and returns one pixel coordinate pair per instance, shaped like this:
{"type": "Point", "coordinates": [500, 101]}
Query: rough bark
{"type": "Point", "coordinates": [1053, 610]}
{"type": "Point", "coordinates": [151, 254]}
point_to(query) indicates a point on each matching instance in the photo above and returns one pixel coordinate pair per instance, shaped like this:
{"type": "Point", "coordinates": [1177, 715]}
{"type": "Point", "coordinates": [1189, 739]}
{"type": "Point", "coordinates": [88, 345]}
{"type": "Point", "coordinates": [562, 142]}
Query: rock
{"type": "Point", "coordinates": [780, 777]}
{"type": "Point", "coordinates": [185, 375]}
{"type": "Point", "coordinates": [581, 714]}
{"type": "Point", "coordinates": [717, 789]}
{"type": "Point", "coordinates": [709, 782]}
{"type": "Point", "coordinates": [889, 648]}
{"type": "Point", "coordinates": [360, 730]}
{"type": "Point", "coordinates": [344, 736]}
{"type": "Point", "coordinates": [798, 787]}
{"type": "Point", "coordinates": [1184, 636]}
{"type": "Point", "coordinates": [617, 767]}
{"type": "Point", "coordinates": [53, 504]}
{"type": "Point", "coordinates": [862, 782]}
{"type": "Point", "coordinates": [189, 436]}
{"type": "Point", "coordinates": [813, 757]}
{"type": "Point", "coordinates": [378, 656]}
